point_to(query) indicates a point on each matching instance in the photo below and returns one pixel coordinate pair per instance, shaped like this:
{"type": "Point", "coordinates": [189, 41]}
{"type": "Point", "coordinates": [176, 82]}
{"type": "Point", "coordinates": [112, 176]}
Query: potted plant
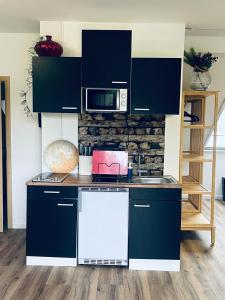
{"type": "Point", "coordinates": [201, 63]}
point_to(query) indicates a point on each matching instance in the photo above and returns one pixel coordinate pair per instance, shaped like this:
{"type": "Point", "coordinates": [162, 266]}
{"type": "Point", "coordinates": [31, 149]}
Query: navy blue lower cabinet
{"type": "Point", "coordinates": [154, 229]}
{"type": "Point", "coordinates": [51, 225]}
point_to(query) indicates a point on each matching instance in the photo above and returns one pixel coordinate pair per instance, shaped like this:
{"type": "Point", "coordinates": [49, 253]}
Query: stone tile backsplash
{"type": "Point", "coordinates": [135, 133]}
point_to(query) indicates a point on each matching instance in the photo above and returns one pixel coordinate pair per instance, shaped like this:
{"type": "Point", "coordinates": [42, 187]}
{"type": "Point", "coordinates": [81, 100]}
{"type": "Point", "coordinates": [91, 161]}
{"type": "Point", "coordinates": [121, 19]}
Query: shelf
{"type": "Point", "coordinates": [199, 126]}
{"type": "Point", "coordinates": [192, 157]}
{"type": "Point", "coordinates": [194, 189]}
{"type": "Point", "coordinates": [188, 207]}
{"type": "Point", "coordinates": [189, 179]}
{"type": "Point", "coordinates": [194, 221]}
{"type": "Point", "coordinates": [199, 93]}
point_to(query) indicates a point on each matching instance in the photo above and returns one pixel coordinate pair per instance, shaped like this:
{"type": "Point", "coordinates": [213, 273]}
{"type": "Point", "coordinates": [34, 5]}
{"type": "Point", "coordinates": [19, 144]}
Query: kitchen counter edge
{"type": "Point", "coordinates": [86, 181]}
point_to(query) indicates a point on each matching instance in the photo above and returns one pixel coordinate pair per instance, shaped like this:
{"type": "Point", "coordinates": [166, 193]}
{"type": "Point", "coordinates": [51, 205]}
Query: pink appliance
{"type": "Point", "coordinates": [109, 162]}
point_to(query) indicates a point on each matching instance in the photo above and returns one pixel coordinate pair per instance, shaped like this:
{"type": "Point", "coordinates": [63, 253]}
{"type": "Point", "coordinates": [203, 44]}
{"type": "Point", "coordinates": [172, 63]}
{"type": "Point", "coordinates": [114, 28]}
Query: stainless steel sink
{"type": "Point", "coordinates": [153, 180]}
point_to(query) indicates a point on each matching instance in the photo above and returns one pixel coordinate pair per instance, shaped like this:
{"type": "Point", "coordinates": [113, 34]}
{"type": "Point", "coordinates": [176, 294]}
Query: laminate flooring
{"type": "Point", "coordinates": [202, 273]}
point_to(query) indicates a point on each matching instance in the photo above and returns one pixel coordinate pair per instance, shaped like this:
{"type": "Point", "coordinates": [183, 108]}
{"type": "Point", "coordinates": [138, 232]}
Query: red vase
{"type": "Point", "coordinates": [48, 47]}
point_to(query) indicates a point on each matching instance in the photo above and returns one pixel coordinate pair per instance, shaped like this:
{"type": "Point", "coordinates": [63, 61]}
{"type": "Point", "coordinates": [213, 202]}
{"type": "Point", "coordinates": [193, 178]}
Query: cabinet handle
{"type": "Point", "coordinates": [51, 192]}
{"type": "Point", "coordinates": [80, 203]}
{"type": "Point", "coordinates": [142, 205]}
{"type": "Point", "coordinates": [122, 82]}
{"type": "Point", "coordinates": [69, 107]}
{"type": "Point", "coordinates": [65, 204]}
{"type": "Point", "coordinates": [147, 109]}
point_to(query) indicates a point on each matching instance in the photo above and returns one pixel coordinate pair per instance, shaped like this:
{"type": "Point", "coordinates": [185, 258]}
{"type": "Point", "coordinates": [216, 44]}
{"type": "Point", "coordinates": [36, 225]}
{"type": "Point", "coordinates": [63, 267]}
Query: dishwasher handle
{"type": "Point", "coordinates": [79, 202]}
{"type": "Point", "coordinates": [103, 189]}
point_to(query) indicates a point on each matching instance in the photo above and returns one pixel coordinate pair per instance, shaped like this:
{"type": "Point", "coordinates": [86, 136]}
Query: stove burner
{"type": "Point", "coordinates": [50, 177]}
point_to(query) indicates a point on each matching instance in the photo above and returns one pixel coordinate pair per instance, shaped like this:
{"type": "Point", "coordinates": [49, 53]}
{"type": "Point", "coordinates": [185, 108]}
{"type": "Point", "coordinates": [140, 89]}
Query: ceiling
{"type": "Point", "coordinates": [25, 15]}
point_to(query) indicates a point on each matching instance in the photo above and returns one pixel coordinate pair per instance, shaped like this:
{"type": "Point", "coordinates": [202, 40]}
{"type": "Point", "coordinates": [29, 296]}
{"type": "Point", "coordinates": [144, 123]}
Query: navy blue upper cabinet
{"type": "Point", "coordinates": [56, 84]}
{"type": "Point", "coordinates": [106, 58]}
{"type": "Point", "coordinates": [155, 85]}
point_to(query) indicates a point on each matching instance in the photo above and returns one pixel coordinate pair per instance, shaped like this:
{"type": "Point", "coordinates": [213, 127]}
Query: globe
{"type": "Point", "coordinates": [61, 156]}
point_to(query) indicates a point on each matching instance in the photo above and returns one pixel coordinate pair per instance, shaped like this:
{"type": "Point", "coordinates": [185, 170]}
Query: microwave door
{"type": "Point", "coordinates": [102, 100]}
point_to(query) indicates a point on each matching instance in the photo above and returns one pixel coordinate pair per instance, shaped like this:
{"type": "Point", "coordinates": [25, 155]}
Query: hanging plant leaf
{"type": "Point", "coordinates": [24, 93]}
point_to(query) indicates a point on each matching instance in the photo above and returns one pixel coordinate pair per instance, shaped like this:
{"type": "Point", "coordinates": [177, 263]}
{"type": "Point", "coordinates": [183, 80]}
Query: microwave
{"type": "Point", "coordinates": [105, 100]}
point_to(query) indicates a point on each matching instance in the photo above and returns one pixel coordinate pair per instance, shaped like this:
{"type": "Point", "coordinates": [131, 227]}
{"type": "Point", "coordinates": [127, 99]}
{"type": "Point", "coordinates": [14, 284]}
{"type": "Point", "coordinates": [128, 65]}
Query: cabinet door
{"type": "Point", "coordinates": [57, 84]}
{"type": "Point", "coordinates": [154, 231]}
{"type": "Point", "coordinates": [51, 226]}
{"type": "Point", "coordinates": [106, 58]}
{"type": "Point", "coordinates": [155, 85]}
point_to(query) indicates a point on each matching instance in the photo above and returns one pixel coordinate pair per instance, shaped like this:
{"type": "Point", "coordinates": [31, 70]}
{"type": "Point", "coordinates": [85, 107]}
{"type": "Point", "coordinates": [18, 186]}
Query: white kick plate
{"type": "Point", "coordinates": [51, 261]}
{"type": "Point", "coordinates": [154, 265]}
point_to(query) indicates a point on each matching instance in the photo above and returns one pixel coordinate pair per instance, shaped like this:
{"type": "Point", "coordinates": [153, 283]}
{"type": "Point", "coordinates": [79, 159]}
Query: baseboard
{"type": "Point", "coordinates": [19, 226]}
{"type": "Point", "coordinates": [51, 261]}
{"type": "Point", "coordinates": [154, 265]}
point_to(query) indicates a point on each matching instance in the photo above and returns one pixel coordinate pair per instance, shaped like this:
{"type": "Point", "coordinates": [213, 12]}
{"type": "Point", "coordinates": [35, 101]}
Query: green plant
{"type": "Point", "coordinates": [24, 94]}
{"type": "Point", "coordinates": [201, 62]}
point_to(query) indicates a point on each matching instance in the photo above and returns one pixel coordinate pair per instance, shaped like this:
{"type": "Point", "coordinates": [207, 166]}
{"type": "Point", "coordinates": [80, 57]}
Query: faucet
{"type": "Point", "coordinates": [139, 170]}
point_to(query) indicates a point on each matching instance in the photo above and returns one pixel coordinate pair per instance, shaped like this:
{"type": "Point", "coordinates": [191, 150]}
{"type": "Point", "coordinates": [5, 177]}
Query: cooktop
{"type": "Point", "coordinates": [50, 177]}
{"type": "Point", "coordinates": [109, 178]}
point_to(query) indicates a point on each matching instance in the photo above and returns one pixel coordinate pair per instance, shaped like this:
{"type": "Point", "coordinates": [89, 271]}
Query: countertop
{"type": "Point", "coordinates": [86, 181]}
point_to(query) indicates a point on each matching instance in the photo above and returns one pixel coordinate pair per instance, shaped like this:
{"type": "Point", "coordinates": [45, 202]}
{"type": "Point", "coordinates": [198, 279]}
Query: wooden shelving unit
{"type": "Point", "coordinates": [193, 157]}
{"type": "Point", "coordinates": [193, 217]}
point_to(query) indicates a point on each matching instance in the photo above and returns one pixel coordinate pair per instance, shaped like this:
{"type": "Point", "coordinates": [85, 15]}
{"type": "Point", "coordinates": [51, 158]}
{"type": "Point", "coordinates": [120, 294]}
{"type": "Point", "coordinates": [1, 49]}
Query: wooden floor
{"type": "Point", "coordinates": [202, 273]}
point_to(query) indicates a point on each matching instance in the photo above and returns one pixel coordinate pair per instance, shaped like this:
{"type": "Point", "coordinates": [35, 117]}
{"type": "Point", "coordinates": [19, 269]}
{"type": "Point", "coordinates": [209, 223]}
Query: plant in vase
{"type": "Point", "coordinates": [201, 63]}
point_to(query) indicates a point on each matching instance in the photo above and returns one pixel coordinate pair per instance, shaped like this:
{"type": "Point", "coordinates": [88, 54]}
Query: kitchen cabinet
{"type": "Point", "coordinates": [106, 58]}
{"type": "Point", "coordinates": [154, 229]}
{"type": "Point", "coordinates": [155, 85]}
{"type": "Point", "coordinates": [56, 84]}
{"type": "Point", "coordinates": [51, 221]}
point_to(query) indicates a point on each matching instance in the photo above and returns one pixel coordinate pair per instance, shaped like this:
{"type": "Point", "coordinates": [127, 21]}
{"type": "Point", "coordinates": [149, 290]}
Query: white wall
{"type": "Point", "coordinates": [25, 134]}
{"type": "Point", "coordinates": [215, 45]}
{"type": "Point", "coordinates": [220, 172]}
{"type": "Point", "coordinates": [149, 40]}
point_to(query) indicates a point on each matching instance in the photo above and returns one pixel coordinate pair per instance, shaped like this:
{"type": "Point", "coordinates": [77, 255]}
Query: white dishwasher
{"type": "Point", "coordinates": [103, 226]}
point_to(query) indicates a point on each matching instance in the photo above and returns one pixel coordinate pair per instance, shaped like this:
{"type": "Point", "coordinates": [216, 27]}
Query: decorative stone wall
{"type": "Point", "coordinates": [135, 133]}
